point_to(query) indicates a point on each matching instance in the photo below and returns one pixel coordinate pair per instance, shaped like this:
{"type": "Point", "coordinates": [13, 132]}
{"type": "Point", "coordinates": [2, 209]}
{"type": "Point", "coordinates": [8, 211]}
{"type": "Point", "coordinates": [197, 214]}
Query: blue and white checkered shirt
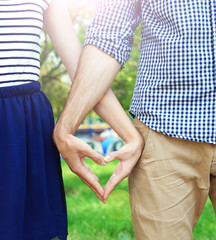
{"type": "Point", "coordinates": [175, 91]}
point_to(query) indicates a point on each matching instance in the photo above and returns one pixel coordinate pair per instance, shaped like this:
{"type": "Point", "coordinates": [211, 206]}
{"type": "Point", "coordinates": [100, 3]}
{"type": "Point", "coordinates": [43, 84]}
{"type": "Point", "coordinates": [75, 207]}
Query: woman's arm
{"type": "Point", "coordinates": [112, 112]}
{"type": "Point", "coordinates": [59, 27]}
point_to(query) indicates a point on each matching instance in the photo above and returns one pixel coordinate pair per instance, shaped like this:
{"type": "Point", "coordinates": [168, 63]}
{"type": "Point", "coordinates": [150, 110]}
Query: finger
{"type": "Point", "coordinates": [97, 188]}
{"type": "Point", "coordinates": [93, 189]}
{"type": "Point", "coordinates": [80, 147]}
{"type": "Point", "coordinates": [120, 154]}
{"type": "Point", "coordinates": [119, 174]}
{"type": "Point", "coordinates": [96, 157]}
{"type": "Point", "coordinates": [91, 180]}
{"type": "Point", "coordinates": [90, 171]}
{"type": "Point", "coordinates": [113, 156]}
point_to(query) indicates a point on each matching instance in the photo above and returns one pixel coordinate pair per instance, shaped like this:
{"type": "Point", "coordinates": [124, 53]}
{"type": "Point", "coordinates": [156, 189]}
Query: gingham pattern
{"type": "Point", "coordinates": [175, 90]}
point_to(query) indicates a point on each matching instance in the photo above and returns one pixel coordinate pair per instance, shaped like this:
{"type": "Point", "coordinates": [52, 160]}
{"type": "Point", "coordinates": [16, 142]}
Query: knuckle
{"type": "Point", "coordinates": [75, 171]}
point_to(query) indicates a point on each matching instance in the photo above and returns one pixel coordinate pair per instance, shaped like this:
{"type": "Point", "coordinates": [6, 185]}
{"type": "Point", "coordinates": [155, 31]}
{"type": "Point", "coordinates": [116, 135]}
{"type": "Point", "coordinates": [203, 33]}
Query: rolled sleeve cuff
{"type": "Point", "coordinates": [112, 49]}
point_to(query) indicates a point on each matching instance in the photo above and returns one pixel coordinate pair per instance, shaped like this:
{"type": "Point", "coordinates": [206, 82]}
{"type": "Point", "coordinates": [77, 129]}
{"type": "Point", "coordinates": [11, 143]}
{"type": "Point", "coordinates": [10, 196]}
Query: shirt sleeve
{"type": "Point", "coordinates": [45, 4]}
{"type": "Point", "coordinates": [113, 26]}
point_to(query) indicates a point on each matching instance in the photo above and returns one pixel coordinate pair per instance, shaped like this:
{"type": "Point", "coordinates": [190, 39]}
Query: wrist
{"type": "Point", "coordinates": [136, 141]}
{"type": "Point", "coordinates": [59, 134]}
{"type": "Point", "coordinates": [134, 136]}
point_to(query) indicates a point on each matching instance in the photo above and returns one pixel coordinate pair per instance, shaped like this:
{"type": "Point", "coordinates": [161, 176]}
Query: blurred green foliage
{"type": "Point", "coordinates": [55, 82]}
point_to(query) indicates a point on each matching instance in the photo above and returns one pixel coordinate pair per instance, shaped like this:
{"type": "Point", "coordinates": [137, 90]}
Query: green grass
{"type": "Point", "coordinates": [90, 219]}
{"type": "Point", "coordinates": [206, 228]}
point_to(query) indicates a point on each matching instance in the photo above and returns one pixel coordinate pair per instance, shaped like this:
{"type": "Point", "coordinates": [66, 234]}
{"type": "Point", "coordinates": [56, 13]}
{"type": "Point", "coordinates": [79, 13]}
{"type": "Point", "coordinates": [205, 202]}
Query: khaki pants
{"type": "Point", "coordinates": [169, 186]}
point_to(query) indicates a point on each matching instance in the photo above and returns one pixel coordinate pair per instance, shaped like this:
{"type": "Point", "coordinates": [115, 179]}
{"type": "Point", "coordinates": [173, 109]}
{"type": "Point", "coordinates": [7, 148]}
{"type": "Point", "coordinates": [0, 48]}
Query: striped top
{"type": "Point", "coordinates": [21, 22]}
{"type": "Point", "coordinates": [175, 91]}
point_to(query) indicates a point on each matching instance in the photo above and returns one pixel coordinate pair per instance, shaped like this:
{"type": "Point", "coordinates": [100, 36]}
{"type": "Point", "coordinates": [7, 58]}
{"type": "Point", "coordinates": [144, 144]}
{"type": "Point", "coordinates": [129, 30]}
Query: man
{"type": "Point", "coordinates": [173, 102]}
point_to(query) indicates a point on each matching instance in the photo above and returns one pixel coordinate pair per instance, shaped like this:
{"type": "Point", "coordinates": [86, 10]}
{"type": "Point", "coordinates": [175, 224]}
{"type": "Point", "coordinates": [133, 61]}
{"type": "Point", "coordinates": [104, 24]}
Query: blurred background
{"type": "Point", "coordinates": [56, 83]}
{"type": "Point", "coordinates": [88, 218]}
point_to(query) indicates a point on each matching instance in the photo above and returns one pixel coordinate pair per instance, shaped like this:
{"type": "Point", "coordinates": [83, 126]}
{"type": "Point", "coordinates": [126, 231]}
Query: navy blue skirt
{"type": "Point", "coordinates": [32, 200]}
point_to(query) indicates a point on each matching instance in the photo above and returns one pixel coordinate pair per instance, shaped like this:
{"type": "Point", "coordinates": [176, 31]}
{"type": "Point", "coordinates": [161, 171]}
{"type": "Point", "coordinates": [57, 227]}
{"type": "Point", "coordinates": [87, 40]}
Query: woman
{"type": "Point", "coordinates": [32, 202]}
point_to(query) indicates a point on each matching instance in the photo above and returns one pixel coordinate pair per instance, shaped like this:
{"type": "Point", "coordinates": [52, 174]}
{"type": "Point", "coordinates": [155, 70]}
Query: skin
{"type": "Point", "coordinates": [95, 72]}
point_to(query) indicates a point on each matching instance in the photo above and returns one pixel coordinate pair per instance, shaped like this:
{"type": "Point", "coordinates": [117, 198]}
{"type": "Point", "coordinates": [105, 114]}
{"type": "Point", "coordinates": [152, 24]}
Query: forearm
{"type": "Point", "coordinates": [95, 73]}
{"type": "Point", "coordinates": [112, 112]}
{"type": "Point", "coordinates": [60, 29]}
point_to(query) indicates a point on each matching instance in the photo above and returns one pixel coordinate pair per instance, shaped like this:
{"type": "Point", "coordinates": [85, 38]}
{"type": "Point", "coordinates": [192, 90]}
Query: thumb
{"type": "Point", "coordinates": [121, 154]}
{"type": "Point", "coordinates": [95, 156]}
{"type": "Point", "coordinates": [112, 156]}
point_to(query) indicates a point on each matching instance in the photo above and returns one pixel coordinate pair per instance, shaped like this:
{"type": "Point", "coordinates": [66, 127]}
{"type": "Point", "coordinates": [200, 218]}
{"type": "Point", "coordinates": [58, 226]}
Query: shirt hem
{"type": "Point", "coordinates": [174, 135]}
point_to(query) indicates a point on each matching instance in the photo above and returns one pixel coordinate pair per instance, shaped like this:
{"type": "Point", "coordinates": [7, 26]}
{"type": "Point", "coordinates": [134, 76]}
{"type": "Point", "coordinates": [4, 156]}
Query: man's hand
{"type": "Point", "coordinates": [128, 156]}
{"type": "Point", "coordinates": [74, 151]}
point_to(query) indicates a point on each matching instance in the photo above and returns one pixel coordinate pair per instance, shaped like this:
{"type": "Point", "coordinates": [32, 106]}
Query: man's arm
{"type": "Point", "coordinates": [95, 73]}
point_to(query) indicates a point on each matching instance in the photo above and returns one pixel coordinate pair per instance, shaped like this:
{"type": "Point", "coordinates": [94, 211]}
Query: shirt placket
{"type": "Point", "coordinates": [213, 34]}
